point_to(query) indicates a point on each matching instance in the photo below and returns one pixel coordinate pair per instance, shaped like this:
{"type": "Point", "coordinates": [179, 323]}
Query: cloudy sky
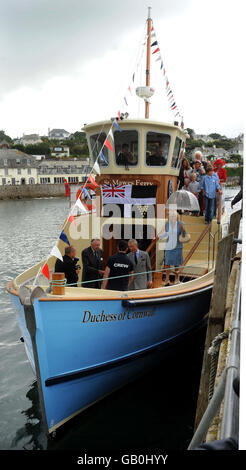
{"type": "Point", "coordinates": [64, 63]}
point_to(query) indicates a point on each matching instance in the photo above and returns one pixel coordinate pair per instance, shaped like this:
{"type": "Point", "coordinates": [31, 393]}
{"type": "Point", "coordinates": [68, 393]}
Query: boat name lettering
{"type": "Point", "coordinates": [103, 317]}
{"type": "Point", "coordinates": [136, 182]}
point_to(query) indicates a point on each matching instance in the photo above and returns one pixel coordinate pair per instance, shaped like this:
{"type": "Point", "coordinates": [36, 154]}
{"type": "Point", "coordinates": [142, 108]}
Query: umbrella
{"type": "Point", "coordinates": [184, 200]}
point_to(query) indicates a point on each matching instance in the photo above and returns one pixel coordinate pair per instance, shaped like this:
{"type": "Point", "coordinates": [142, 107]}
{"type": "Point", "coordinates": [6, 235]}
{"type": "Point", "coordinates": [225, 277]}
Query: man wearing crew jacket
{"type": "Point", "coordinates": [118, 271]}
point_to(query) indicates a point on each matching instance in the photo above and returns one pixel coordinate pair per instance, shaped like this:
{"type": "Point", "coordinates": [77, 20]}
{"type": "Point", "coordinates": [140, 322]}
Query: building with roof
{"type": "Point", "coordinates": [17, 167]}
{"type": "Point", "coordinates": [58, 134]}
{"type": "Point", "coordinates": [29, 139]}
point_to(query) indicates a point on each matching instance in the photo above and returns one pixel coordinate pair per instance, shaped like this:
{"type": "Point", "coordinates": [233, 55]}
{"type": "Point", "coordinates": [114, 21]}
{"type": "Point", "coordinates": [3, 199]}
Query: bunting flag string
{"type": "Point", "coordinates": [169, 92]}
{"type": "Point", "coordinates": [64, 238]}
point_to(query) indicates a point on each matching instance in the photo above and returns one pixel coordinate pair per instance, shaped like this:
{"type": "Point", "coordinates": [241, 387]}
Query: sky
{"type": "Point", "coordinates": [64, 63]}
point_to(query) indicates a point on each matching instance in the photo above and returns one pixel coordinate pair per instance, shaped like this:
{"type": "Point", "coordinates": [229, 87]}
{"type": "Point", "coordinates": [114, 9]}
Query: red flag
{"type": "Point", "coordinates": [46, 271]}
{"type": "Point", "coordinates": [157, 49]}
{"type": "Point", "coordinates": [107, 144]}
{"type": "Point", "coordinates": [72, 219]}
{"type": "Point", "coordinates": [91, 179]}
{"type": "Point", "coordinates": [119, 115]}
{"type": "Point", "coordinates": [67, 188]}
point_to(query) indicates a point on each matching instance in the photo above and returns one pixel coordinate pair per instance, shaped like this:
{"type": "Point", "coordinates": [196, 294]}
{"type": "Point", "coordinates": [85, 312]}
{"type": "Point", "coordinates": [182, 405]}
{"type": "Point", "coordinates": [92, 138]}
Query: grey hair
{"type": "Point", "coordinates": [198, 153]}
{"type": "Point", "coordinates": [95, 239]}
{"type": "Point", "coordinates": [68, 249]}
{"type": "Point", "coordinates": [132, 240]}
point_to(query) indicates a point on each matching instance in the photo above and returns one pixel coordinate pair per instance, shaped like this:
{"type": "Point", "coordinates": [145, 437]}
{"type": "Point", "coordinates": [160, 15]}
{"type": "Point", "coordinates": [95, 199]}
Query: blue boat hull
{"type": "Point", "coordinates": [84, 350]}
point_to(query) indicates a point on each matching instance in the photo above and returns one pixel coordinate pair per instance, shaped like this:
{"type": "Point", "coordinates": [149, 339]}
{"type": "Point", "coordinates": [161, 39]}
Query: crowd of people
{"type": "Point", "coordinates": [204, 180]}
{"type": "Point", "coordinates": [128, 269]}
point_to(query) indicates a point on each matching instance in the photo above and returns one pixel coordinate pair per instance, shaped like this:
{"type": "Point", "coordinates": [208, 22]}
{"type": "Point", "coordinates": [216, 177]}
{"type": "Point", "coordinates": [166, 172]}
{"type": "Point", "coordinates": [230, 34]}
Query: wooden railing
{"type": "Point", "coordinates": [196, 244]}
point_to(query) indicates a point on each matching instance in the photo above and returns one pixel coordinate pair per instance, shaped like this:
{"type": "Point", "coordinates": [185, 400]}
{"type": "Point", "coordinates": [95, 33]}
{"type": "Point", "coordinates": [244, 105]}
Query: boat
{"type": "Point", "coordinates": [83, 343]}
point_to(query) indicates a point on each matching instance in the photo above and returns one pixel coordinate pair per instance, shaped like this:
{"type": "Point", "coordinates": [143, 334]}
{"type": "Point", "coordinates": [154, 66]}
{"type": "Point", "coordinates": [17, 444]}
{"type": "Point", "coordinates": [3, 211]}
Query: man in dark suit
{"type": "Point", "coordinates": [92, 264]}
{"type": "Point", "coordinates": [69, 266]}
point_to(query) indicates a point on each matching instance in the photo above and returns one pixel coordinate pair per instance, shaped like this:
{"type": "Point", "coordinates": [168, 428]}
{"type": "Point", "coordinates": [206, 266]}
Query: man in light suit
{"type": "Point", "coordinates": [141, 264]}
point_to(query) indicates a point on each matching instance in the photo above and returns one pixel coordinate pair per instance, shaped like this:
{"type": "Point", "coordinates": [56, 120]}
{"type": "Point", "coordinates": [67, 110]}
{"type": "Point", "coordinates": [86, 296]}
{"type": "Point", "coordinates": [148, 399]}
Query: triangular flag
{"type": "Point", "coordinates": [103, 158]}
{"type": "Point", "coordinates": [119, 115]}
{"type": "Point", "coordinates": [116, 125]}
{"type": "Point", "coordinates": [129, 89]}
{"type": "Point", "coordinates": [133, 77]}
{"type": "Point", "coordinates": [157, 49]}
{"type": "Point", "coordinates": [161, 64]}
{"type": "Point", "coordinates": [96, 167]}
{"type": "Point", "coordinates": [174, 108]}
{"type": "Point", "coordinates": [159, 58]}
{"type": "Point", "coordinates": [91, 180]}
{"type": "Point", "coordinates": [56, 252]}
{"type": "Point", "coordinates": [108, 145]}
{"type": "Point", "coordinates": [81, 206]}
{"type": "Point", "coordinates": [45, 271]}
{"type": "Point", "coordinates": [125, 101]}
{"type": "Point", "coordinates": [72, 220]}
{"type": "Point", "coordinates": [111, 134]}
{"type": "Point", "coordinates": [64, 238]}
{"type": "Point", "coordinates": [154, 43]}
{"type": "Point", "coordinates": [85, 192]}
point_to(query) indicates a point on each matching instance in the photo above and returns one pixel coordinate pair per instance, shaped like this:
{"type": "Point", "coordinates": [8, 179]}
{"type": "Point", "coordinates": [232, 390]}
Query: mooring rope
{"type": "Point", "coordinates": [213, 352]}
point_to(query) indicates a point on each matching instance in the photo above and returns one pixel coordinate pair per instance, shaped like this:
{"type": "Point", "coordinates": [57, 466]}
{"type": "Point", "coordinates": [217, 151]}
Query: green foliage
{"type": "Point", "coordinates": [235, 171]}
{"type": "Point", "coordinates": [3, 136]}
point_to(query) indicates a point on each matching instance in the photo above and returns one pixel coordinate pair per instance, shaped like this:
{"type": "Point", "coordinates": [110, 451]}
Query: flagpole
{"type": "Point", "coordinates": [149, 26]}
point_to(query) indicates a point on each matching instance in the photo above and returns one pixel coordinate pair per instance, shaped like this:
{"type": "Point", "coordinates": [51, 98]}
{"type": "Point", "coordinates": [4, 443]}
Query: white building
{"type": "Point", "coordinates": [60, 151]}
{"type": "Point", "coordinates": [58, 134]}
{"type": "Point", "coordinates": [29, 139]}
{"type": "Point", "coordinates": [17, 167]}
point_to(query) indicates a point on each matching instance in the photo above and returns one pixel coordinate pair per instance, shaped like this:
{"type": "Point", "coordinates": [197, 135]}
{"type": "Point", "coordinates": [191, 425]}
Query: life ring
{"type": "Point", "coordinates": [79, 195]}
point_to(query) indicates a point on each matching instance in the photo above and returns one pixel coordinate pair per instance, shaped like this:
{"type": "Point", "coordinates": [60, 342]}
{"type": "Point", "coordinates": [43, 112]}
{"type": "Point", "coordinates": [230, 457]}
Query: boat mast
{"type": "Point", "coordinates": [149, 26]}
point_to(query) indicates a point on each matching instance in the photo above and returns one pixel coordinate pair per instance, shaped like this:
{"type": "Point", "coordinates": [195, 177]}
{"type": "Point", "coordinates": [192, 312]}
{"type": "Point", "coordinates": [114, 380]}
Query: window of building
{"type": "Point", "coordinates": [29, 171]}
{"type": "Point", "coordinates": [96, 143]}
{"type": "Point", "coordinates": [19, 171]}
{"type": "Point", "coordinates": [157, 148]}
{"type": "Point", "coordinates": [177, 151]}
{"type": "Point", "coordinates": [5, 161]}
{"type": "Point", "coordinates": [126, 148]}
{"type": "Point", "coordinates": [6, 171]}
{"type": "Point", "coordinates": [3, 180]}
{"type": "Point", "coordinates": [18, 160]}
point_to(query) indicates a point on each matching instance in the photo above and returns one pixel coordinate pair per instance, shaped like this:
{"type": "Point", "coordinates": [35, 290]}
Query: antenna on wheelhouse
{"type": "Point", "coordinates": [149, 26]}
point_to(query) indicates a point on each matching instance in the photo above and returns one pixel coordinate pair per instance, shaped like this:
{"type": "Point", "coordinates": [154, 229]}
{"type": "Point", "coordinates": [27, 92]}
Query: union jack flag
{"type": "Point", "coordinates": [113, 191]}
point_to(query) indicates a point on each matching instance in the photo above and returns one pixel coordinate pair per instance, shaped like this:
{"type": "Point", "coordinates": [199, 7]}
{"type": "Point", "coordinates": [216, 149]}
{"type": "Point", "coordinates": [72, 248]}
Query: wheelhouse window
{"type": "Point", "coordinates": [126, 148]}
{"type": "Point", "coordinates": [177, 152]}
{"type": "Point", "coordinates": [157, 148]}
{"type": "Point", "coordinates": [96, 143]}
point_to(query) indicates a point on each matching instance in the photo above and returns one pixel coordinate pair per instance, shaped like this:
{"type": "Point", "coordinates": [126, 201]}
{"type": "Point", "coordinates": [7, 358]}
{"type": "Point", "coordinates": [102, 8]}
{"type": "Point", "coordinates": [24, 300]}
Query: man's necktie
{"type": "Point", "coordinates": [136, 259]}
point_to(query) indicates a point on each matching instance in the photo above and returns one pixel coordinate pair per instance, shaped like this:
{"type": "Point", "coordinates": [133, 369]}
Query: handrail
{"type": "Point", "coordinates": [196, 244]}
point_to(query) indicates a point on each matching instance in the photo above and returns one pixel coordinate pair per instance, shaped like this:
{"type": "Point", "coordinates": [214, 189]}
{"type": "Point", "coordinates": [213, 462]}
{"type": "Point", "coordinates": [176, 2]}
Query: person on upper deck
{"type": "Point", "coordinates": [174, 250]}
{"type": "Point", "coordinates": [198, 156]}
{"type": "Point", "coordinates": [209, 186]}
{"type": "Point", "coordinates": [218, 168]}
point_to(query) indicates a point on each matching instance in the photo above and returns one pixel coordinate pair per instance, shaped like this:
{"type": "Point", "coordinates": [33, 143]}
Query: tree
{"type": "Point", "coordinates": [191, 132]}
{"type": "Point", "coordinates": [215, 136]}
{"type": "Point", "coordinates": [3, 136]}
